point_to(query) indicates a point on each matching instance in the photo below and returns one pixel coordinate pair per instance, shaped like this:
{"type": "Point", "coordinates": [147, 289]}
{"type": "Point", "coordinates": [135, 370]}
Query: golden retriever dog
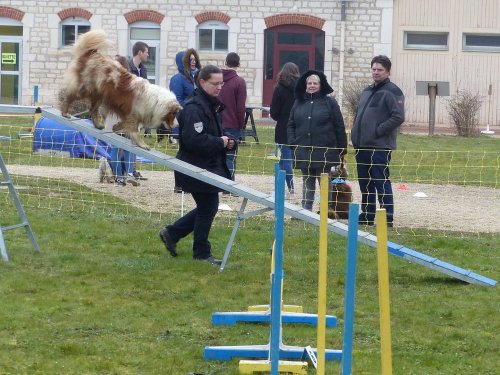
{"type": "Point", "coordinates": [105, 83]}
{"type": "Point", "coordinates": [340, 193]}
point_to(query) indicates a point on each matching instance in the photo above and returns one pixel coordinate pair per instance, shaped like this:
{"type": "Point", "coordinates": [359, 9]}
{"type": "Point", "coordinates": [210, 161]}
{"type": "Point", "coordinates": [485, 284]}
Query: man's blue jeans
{"type": "Point", "coordinates": [122, 162]}
{"type": "Point", "coordinates": [374, 180]}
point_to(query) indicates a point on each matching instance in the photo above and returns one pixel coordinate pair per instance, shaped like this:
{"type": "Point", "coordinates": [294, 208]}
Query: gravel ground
{"type": "Point", "coordinates": [445, 207]}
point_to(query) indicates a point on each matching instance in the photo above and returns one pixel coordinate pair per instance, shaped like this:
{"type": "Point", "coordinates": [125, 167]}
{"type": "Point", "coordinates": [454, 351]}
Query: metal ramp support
{"type": "Point", "coordinates": [254, 195]}
{"type": "Point", "coordinates": [241, 216]}
{"type": "Point", "coordinates": [24, 220]}
{"type": "Point", "coordinates": [252, 132]}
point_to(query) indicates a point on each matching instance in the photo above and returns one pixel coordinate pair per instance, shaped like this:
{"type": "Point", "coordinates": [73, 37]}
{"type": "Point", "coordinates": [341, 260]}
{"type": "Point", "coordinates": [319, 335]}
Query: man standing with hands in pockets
{"type": "Point", "coordinates": [379, 115]}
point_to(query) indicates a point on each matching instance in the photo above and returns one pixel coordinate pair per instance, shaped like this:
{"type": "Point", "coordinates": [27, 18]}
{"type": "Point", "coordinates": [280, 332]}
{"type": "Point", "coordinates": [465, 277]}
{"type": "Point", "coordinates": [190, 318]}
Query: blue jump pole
{"type": "Point", "coordinates": [350, 288]}
{"type": "Point", "coordinates": [277, 277]}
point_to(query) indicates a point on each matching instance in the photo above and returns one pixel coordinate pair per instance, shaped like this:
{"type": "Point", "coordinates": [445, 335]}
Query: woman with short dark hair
{"type": "Point", "coordinates": [281, 104]}
{"type": "Point", "coordinates": [202, 143]}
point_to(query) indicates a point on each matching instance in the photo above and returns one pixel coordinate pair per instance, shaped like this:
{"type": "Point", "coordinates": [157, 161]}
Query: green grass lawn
{"type": "Point", "coordinates": [104, 297]}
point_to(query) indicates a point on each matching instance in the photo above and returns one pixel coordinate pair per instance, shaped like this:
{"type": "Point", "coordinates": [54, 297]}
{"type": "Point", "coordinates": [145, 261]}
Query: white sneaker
{"type": "Point", "coordinates": [120, 182]}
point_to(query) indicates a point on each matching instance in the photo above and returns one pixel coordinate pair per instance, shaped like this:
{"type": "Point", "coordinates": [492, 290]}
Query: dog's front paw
{"type": "Point", "coordinates": [67, 115]}
{"type": "Point", "coordinates": [140, 144]}
{"type": "Point", "coordinates": [98, 126]}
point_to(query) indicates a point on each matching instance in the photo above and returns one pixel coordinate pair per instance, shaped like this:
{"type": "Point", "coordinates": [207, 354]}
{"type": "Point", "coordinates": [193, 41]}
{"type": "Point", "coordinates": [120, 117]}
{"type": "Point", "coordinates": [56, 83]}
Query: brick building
{"type": "Point", "coordinates": [338, 37]}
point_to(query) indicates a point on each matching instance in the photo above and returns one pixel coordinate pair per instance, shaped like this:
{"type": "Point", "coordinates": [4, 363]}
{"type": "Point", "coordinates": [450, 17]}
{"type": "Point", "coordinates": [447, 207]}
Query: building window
{"type": "Point", "coordinates": [481, 42]}
{"type": "Point", "coordinates": [213, 36]}
{"type": "Point", "coordinates": [149, 33]}
{"type": "Point", "coordinates": [426, 40]}
{"type": "Point", "coordinates": [71, 28]}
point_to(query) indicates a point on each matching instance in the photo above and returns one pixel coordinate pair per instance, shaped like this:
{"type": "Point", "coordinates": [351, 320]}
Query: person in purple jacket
{"type": "Point", "coordinates": [234, 95]}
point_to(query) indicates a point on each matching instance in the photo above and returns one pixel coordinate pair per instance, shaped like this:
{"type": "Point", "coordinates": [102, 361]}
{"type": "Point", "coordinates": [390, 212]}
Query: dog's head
{"type": "Point", "coordinates": [339, 171]}
{"type": "Point", "coordinates": [172, 109]}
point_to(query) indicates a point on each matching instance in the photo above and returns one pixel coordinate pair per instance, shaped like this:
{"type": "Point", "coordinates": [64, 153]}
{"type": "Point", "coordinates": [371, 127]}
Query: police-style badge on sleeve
{"type": "Point", "coordinates": [198, 126]}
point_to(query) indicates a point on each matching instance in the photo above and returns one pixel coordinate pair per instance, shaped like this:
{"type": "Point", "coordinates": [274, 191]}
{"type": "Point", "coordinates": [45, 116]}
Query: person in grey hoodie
{"type": "Point", "coordinates": [379, 115]}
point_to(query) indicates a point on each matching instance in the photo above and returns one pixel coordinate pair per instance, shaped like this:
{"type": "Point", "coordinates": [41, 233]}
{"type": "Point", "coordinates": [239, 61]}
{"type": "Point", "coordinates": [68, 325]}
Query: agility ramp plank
{"type": "Point", "coordinates": [256, 196]}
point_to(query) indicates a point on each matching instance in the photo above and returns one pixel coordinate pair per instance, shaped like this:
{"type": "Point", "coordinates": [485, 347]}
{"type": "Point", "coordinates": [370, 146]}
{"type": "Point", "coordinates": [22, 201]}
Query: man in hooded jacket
{"type": "Point", "coordinates": [234, 95]}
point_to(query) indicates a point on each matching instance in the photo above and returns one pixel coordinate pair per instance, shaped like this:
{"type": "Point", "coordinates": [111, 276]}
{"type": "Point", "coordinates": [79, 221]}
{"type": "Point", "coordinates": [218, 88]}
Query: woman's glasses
{"type": "Point", "coordinates": [216, 84]}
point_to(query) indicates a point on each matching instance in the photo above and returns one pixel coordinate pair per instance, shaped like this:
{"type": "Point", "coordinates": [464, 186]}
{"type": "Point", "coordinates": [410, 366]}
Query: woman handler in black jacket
{"type": "Point", "coordinates": [203, 144]}
{"type": "Point", "coordinates": [316, 131]}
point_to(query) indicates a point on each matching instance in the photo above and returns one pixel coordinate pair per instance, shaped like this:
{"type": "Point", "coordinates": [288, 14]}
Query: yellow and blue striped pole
{"type": "Point", "coordinates": [322, 273]}
{"type": "Point", "coordinates": [383, 293]}
{"type": "Point", "coordinates": [38, 111]}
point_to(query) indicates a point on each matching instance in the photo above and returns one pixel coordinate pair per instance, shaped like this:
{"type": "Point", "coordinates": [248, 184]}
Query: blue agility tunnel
{"type": "Point", "coordinates": [54, 136]}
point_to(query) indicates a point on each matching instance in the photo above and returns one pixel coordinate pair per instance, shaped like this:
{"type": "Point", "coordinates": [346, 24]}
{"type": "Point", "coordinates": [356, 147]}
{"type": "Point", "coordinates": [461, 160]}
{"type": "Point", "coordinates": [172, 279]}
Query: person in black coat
{"type": "Point", "coordinates": [281, 105]}
{"type": "Point", "coordinates": [315, 131]}
{"type": "Point", "coordinates": [203, 144]}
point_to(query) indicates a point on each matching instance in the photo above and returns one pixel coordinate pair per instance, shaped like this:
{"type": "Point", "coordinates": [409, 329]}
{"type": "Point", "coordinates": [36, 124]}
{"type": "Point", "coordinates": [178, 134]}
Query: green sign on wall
{"type": "Point", "coordinates": [8, 58]}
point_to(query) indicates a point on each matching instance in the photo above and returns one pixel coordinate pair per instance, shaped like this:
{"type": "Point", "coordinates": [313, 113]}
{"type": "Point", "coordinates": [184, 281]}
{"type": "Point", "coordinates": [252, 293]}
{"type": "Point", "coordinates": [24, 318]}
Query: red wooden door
{"type": "Point", "coordinates": [299, 44]}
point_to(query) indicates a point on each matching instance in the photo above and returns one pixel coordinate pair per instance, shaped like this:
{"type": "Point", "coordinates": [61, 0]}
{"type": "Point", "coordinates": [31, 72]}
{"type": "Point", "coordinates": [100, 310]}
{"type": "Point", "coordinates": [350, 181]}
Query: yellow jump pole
{"type": "Point", "coordinates": [383, 293]}
{"type": "Point", "coordinates": [284, 308]}
{"type": "Point", "coordinates": [322, 273]}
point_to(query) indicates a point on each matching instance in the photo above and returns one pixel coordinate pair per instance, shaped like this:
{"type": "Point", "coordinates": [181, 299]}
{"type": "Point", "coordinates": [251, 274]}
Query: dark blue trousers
{"type": "Point", "coordinates": [199, 221]}
{"type": "Point", "coordinates": [231, 155]}
{"type": "Point", "coordinates": [374, 183]}
{"type": "Point", "coordinates": [285, 164]}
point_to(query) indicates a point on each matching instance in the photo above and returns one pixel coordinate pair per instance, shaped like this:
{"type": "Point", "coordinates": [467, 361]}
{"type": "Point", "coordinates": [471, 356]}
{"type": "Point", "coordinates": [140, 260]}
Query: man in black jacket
{"type": "Point", "coordinates": [140, 53]}
{"type": "Point", "coordinates": [203, 144]}
{"type": "Point", "coordinates": [380, 113]}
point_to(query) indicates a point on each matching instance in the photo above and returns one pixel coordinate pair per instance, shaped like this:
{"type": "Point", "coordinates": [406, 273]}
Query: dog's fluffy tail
{"type": "Point", "coordinates": [94, 40]}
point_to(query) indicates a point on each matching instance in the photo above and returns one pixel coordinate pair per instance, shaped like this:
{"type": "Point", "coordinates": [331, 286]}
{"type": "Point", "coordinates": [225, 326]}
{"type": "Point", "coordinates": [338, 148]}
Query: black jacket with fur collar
{"type": "Point", "coordinates": [316, 126]}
